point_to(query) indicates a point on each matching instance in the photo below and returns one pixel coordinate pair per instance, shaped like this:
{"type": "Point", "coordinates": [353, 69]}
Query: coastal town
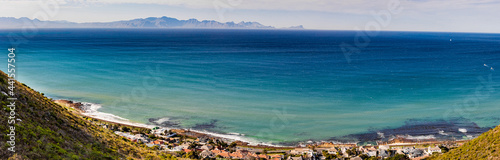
{"type": "Point", "coordinates": [184, 143]}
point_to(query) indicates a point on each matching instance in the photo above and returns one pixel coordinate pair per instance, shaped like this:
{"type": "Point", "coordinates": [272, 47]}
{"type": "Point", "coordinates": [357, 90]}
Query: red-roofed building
{"type": "Point", "coordinates": [276, 156]}
{"type": "Point", "coordinates": [216, 151]}
{"type": "Point", "coordinates": [158, 142]}
{"type": "Point", "coordinates": [225, 154]}
{"type": "Point", "coordinates": [237, 155]}
{"type": "Point", "coordinates": [263, 156]}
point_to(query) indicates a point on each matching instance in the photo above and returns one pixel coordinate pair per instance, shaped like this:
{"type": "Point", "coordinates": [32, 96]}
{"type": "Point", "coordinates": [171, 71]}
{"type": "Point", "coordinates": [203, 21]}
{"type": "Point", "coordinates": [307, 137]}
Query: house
{"type": "Point", "coordinates": [276, 156]}
{"type": "Point", "coordinates": [150, 145]}
{"type": "Point", "coordinates": [384, 147]}
{"type": "Point", "coordinates": [416, 153]}
{"type": "Point", "coordinates": [158, 142]}
{"type": "Point", "coordinates": [408, 150]}
{"type": "Point", "coordinates": [295, 158]}
{"type": "Point", "coordinates": [429, 150]}
{"type": "Point", "coordinates": [356, 158]}
{"type": "Point", "coordinates": [299, 151]}
{"type": "Point", "coordinates": [332, 150]}
{"type": "Point", "coordinates": [160, 131]}
{"type": "Point", "coordinates": [143, 140]}
{"type": "Point", "coordinates": [263, 156]}
{"type": "Point", "coordinates": [203, 139]}
{"type": "Point", "coordinates": [320, 150]}
{"type": "Point", "coordinates": [139, 136]}
{"type": "Point", "coordinates": [206, 147]}
{"type": "Point", "coordinates": [222, 153]}
{"type": "Point", "coordinates": [185, 146]}
{"type": "Point", "coordinates": [225, 155]}
{"type": "Point", "coordinates": [187, 150]}
{"type": "Point", "coordinates": [344, 151]}
{"type": "Point", "coordinates": [251, 155]}
{"type": "Point", "coordinates": [175, 149]}
{"type": "Point", "coordinates": [163, 146]}
{"type": "Point", "coordinates": [217, 151]}
{"type": "Point", "coordinates": [236, 155]}
{"type": "Point", "coordinates": [207, 154]}
{"type": "Point", "coordinates": [174, 134]}
{"type": "Point", "coordinates": [383, 153]}
{"type": "Point", "coordinates": [371, 153]}
{"type": "Point", "coordinates": [400, 151]}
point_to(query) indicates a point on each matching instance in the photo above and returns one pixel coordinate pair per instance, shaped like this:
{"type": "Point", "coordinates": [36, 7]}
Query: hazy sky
{"type": "Point", "coordinates": [409, 15]}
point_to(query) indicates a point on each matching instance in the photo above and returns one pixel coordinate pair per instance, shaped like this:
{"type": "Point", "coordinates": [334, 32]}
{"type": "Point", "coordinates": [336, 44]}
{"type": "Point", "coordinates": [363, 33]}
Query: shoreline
{"type": "Point", "coordinates": [90, 110]}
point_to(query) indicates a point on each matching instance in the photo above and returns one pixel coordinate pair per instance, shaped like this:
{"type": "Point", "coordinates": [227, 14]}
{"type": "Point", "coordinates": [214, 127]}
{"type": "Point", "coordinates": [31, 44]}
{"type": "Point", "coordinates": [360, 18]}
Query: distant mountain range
{"type": "Point", "coordinates": [151, 22]}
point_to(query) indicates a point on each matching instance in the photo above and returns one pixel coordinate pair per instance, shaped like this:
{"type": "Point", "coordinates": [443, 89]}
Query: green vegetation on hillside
{"type": "Point", "coordinates": [45, 130]}
{"type": "Point", "coordinates": [486, 146]}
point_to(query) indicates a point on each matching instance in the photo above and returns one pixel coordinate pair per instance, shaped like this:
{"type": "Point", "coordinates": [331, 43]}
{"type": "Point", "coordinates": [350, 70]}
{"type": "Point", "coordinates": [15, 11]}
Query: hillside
{"type": "Point", "coordinates": [486, 146]}
{"type": "Point", "coordinates": [45, 130]}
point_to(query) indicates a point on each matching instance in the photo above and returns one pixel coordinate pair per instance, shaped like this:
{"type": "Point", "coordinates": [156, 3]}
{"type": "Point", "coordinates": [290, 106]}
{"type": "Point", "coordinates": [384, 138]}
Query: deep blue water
{"type": "Point", "coordinates": [271, 85]}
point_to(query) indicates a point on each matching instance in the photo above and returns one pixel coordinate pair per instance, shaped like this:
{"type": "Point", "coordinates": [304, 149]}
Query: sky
{"type": "Point", "coordinates": [391, 15]}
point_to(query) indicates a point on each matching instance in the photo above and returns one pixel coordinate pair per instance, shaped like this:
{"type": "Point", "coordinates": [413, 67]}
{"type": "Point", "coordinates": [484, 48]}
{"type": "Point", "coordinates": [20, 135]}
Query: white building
{"type": "Point", "coordinates": [431, 150]}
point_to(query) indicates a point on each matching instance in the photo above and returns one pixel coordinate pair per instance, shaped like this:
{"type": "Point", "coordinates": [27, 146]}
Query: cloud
{"type": "Point", "coordinates": [428, 15]}
{"type": "Point", "coordinates": [344, 6]}
{"type": "Point", "coordinates": [331, 6]}
{"type": "Point", "coordinates": [354, 6]}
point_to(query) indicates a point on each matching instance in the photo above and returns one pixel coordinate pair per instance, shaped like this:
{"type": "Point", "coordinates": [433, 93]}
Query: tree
{"type": "Point", "coordinates": [156, 147]}
{"type": "Point", "coordinates": [191, 155]}
{"type": "Point", "coordinates": [193, 145]}
{"type": "Point", "coordinates": [221, 144]}
{"type": "Point", "coordinates": [144, 130]}
{"type": "Point", "coordinates": [152, 136]}
{"type": "Point", "coordinates": [211, 142]}
{"type": "Point", "coordinates": [444, 149]}
{"type": "Point", "coordinates": [328, 156]}
{"type": "Point", "coordinates": [364, 156]}
{"type": "Point", "coordinates": [125, 129]}
{"type": "Point", "coordinates": [352, 152]}
{"type": "Point", "coordinates": [180, 153]}
{"type": "Point", "coordinates": [232, 145]}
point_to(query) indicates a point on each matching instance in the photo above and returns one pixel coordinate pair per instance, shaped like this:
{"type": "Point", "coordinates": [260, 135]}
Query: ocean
{"type": "Point", "coordinates": [278, 87]}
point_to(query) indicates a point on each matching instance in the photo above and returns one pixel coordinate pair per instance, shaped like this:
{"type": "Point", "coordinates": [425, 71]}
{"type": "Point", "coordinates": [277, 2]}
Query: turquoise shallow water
{"type": "Point", "coordinates": [270, 85]}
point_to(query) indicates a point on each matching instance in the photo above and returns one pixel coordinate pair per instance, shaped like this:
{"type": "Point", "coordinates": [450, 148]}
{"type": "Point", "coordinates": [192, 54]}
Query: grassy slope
{"type": "Point", "coordinates": [486, 146]}
{"type": "Point", "coordinates": [50, 131]}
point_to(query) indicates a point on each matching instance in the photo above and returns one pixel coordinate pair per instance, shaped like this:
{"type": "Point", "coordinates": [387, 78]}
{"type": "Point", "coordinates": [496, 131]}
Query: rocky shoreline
{"type": "Point", "coordinates": [396, 145]}
{"type": "Point", "coordinates": [370, 136]}
{"type": "Point", "coordinates": [82, 108]}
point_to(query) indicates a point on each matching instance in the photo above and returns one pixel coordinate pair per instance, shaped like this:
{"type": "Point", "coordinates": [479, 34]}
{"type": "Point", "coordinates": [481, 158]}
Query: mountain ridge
{"type": "Point", "coordinates": [150, 22]}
